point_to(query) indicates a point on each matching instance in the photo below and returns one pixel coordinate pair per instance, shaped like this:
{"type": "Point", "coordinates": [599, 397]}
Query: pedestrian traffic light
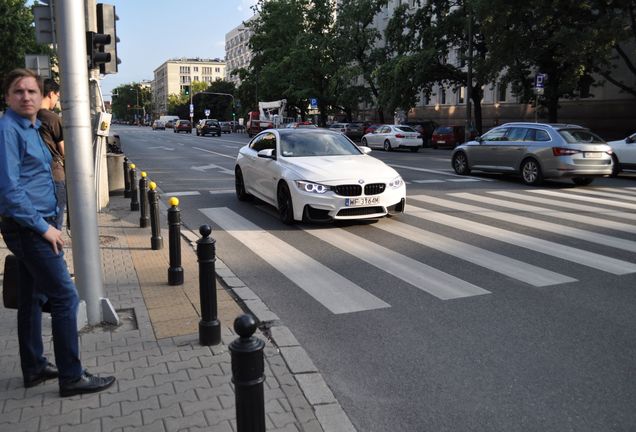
{"type": "Point", "coordinates": [106, 25]}
{"type": "Point", "coordinates": [94, 45]}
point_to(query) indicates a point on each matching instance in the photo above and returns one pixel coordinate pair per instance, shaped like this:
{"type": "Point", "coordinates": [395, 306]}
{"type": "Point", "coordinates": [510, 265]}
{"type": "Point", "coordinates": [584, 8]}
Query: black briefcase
{"type": "Point", "coordinates": [11, 284]}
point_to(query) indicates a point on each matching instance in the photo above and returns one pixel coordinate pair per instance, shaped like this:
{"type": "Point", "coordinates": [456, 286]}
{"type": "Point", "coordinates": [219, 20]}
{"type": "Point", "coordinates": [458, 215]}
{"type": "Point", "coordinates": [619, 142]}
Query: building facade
{"type": "Point", "coordinates": [173, 76]}
{"type": "Point", "coordinates": [237, 51]}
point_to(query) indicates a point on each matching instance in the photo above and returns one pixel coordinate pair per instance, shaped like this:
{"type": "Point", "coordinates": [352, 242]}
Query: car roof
{"type": "Point", "coordinates": [556, 126]}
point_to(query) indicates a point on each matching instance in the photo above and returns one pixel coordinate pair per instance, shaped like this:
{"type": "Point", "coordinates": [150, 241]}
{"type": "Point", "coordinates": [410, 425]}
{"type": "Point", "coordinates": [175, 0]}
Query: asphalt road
{"type": "Point", "coordinates": [487, 306]}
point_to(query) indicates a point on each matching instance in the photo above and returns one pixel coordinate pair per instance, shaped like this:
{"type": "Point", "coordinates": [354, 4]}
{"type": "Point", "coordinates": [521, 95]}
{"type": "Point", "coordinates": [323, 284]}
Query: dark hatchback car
{"type": "Point", "coordinates": [353, 131]}
{"type": "Point", "coordinates": [209, 127]}
{"type": "Point", "coordinates": [183, 126]}
{"type": "Point", "coordinates": [450, 136]}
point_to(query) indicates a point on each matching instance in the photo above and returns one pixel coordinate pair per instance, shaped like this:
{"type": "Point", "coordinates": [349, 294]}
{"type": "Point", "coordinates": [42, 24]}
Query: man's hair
{"type": "Point", "coordinates": [50, 85]}
{"type": "Point", "coordinates": [20, 73]}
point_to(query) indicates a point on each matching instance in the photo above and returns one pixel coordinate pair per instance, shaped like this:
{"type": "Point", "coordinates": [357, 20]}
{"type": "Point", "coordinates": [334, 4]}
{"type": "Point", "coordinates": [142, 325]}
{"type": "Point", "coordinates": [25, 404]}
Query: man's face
{"type": "Point", "coordinates": [24, 97]}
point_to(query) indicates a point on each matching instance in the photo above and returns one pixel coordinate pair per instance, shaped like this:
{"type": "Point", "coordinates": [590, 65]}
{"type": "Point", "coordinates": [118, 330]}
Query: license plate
{"type": "Point", "coordinates": [441, 142]}
{"type": "Point", "coordinates": [362, 201]}
{"type": "Point", "coordinates": [592, 155]}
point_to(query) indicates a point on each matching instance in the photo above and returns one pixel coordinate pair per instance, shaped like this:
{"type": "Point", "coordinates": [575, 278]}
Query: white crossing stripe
{"type": "Point", "coordinates": [333, 291]}
{"type": "Point", "coordinates": [424, 277]}
{"type": "Point", "coordinates": [569, 205]}
{"type": "Point", "coordinates": [428, 181]}
{"type": "Point", "coordinates": [606, 194]}
{"type": "Point", "coordinates": [629, 191]}
{"type": "Point", "coordinates": [441, 172]}
{"type": "Point", "coordinates": [575, 217]}
{"type": "Point", "coordinates": [186, 193]}
{"type": "Point", "coordinates": [584, 198]}
{"type": "Point", "coordinates": [510, 267]}
{"type": "Point", "coordinates": [222, 191]}
{"type": "Point", "coordinates": [465, 180]}
{"type": "Point", "coordinates": [567, 253]}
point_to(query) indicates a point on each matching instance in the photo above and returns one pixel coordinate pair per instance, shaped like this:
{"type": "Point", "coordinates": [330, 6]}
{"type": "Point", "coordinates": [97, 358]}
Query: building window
{"type": "Point", "coordinates": [196, 68]}
{"type": "Point", "coordinates": [501, 92]}
{"type": "Point", "coordinates": [217, 70]}
{"type": "Point", "coordinates": [442, 95]}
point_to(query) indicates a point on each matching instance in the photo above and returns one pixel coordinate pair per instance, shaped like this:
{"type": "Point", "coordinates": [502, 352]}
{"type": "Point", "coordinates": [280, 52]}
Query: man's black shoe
{"type": "Point", "coordinates": [49, 372]}
{"type": "Point", "coordinates": [87, 383]}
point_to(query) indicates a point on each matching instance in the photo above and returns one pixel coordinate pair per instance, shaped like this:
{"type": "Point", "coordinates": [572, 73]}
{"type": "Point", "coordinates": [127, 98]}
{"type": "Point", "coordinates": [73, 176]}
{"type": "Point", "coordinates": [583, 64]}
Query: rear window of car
{"type": "Point", "coordinates": [405, 129]}
{"type": "Point", "coordinates": [443, 130]}
{"type": "Point", "coordinates": [573, 136]}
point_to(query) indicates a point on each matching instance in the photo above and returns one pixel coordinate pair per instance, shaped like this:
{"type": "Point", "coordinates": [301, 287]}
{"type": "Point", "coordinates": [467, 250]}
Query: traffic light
{"type": "Point", "coordinates": [106, 25]}
{"type": "Point", "coordinates": [186, 90]}
{"type": "Point", "coordinates": [95, 46]}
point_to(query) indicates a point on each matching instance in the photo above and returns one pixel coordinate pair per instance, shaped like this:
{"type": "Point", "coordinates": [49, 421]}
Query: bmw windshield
{"type": "Point", "coordinates": [316, 144]}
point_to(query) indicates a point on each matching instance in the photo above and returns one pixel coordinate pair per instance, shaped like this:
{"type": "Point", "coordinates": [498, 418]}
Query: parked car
{"type": "Point", "coordinates": [302, 125]}
{"type": "Point", "coordinates": [170, 124]}
{"type": "Point", "coordinates": [537, 151]}
{"type": "Point", "coordinates": [208, 127]}
{"type": "Point", "coordinates": [424, 128]}
{"type": "Point", "coordinates": [317, 175]}
{"type": "Point", "coordinates": [353, 130]}
{"type": "Point", "coordinates": [450, 136]}
{"type": "Point", "coordinates": [370, 128]}
{"type": "Point", "coordinates": [624, 156]}
{"type": "Point", "coordinates": [183, 126]}
{"type": "Point", "coordinates": [158, 124]}
{"type": "Point", "coordinates": [226, 127]}
{"type": "Point", "coordinates": [390, 137]}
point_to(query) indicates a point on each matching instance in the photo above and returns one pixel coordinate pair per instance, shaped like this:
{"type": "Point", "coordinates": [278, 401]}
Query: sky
{"type": "Point", "coordinates": [153, 31]}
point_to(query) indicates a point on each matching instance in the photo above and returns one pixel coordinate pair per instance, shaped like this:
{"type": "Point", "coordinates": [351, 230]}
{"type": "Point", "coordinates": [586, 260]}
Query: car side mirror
{"type": "Point", "coordinates": [267, 153]}
{"type": "Point", "coordinates": [365, 150]}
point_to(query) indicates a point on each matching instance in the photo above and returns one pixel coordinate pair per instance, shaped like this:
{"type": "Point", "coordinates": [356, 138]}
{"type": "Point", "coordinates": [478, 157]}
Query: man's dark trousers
{"type": "Point", "coordinates": [44, 275]}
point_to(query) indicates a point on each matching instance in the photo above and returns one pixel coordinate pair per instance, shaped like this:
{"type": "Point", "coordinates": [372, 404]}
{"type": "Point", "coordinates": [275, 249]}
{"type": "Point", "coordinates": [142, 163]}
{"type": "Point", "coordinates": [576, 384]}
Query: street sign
{"type": "Point", "coordinates": [207, 112]}
{"type": "Point", "coordinates": [41, 63]}
{"type": "Point", "coordinates": [539, 81]}
{"type": "Point", "coordinates": [191, 109]}
{"type": "Point", "coordinates": [313, 102]}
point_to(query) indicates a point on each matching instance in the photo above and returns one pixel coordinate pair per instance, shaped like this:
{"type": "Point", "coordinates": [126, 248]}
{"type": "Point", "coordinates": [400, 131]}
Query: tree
{"type": "Point", "coordinates": [220, 105]}
{"type": "Point", "coordinates": [131, 102]}
{"type": "Point", "coordinates": [17, 37]}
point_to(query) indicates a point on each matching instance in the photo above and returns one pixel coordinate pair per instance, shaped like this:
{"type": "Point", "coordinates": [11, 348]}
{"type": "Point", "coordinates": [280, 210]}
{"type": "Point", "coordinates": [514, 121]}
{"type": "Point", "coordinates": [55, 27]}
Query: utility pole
{"type": "Point", "coordinates": [469, 76]}
{"type": "Point", "coordinates": [80, 168]}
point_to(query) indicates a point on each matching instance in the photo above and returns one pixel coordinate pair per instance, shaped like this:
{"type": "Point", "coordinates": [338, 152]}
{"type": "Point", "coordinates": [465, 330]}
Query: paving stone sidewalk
{"type": "Point", "coordinates": [166, 381]}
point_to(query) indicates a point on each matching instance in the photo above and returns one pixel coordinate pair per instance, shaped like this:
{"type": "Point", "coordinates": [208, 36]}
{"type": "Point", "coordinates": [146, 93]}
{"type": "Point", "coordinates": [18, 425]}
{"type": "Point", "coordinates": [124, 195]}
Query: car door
{"type": "Point", "coordinates": [266, 170]}
{"type": "Point", "coordinates": [627, 154]}
{"type": "Point", "coordinates": [509, 152]}
{"type": "Point", "coordinates": [380, 136]}
{"type": "Point", "coordinates": [484, 155]}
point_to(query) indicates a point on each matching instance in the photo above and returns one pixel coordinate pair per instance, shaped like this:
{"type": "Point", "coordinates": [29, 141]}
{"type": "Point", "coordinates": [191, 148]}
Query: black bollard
{"type": "Point", "coordinates": [134, 199]}
{"type": "Point", "coordinates": [248, 375]}
{"type": "Point", "coordinates": [126, 178]}
{"type": "Point", "coordinates": [209, 326]}
{"type": "Point", "coordinates": [143, 200]}
{"type": "Point", "coordinates": [156, 241]}
{"type": "Point", "coordinates": [175, 271]}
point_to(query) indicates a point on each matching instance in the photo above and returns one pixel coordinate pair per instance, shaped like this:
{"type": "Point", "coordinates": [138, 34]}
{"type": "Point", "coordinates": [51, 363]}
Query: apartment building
{"type": "Point", "coordinates": [174, 75]}
{"type": "Point", "coordinates": [237, 51]}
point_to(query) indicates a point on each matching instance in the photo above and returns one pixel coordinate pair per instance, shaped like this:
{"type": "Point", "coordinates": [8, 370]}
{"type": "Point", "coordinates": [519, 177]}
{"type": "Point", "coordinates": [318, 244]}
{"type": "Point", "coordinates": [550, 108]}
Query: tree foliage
{"type": "Point", "coordinates": [131, 102]}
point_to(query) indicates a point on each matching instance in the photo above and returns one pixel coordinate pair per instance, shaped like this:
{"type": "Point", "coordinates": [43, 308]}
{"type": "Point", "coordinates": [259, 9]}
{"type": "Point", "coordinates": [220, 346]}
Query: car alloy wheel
{"type": "Point", "coordinates": [531, 172]}
{"type": "Point", "coordinates": [364, 142]}
{"type": "Point", "coordinates": [387, 145]}
{"type": "Point", "coordinates": [285, 206]}
{"type": "Point", "coordinates": [616, 167]}
{"type": "Point", "coordinates": [460, 163]}
{"type": "Point", "coordinates": [239, 185]}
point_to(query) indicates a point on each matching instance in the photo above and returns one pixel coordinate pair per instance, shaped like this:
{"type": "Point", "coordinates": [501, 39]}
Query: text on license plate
{"type": "Point", "coordinates": [362, 201]}
{"type": "Point", "coordinates": [593, 155]}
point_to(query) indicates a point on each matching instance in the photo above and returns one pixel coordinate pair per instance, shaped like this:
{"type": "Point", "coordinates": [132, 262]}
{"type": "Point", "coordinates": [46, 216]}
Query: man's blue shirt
{"type": "Point", "coordinates": [27, 192]}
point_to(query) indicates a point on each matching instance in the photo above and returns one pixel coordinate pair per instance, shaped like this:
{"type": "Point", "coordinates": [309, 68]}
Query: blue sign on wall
{"type": "Point", "coordinates": [313, 102]}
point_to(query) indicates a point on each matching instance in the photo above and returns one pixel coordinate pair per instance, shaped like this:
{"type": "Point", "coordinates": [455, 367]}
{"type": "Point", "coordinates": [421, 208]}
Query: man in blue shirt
{"type": "Point", "coordinates": [28, 208]}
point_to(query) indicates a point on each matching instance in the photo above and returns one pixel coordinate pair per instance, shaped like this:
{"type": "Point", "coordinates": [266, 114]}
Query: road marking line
{"type": "Point", "coordinates": [626, 197]}
{"type": "Point", "coordinates": [578, 256]}
{"type": "Point", "coordinates": [564, 204]}
{"type": "Point", "coordinates": [222, 191]}
{"type": "Point", "coordinates": [203, 168]}
{"type": "Point", "coordinates": [424, 277]}
{"type": "Point", "coordinates": [569, 216]}
{"type": "Point", "coordinates": [333, 291]}
{"type": "Point", "coordinates": [216, 153]}
{"type": "Point", "coordinates": [464, 180]}
{"type": "Point", "coordinates": [187, 193]}
{"type": "Point", "coordinates": [584, 198]}
{"type": "Point", "coordinates": [428, 181]}
{"type": "Point", "coordinates": [510, 267]}
{"type": "Point", "coordinates": [446, 173]}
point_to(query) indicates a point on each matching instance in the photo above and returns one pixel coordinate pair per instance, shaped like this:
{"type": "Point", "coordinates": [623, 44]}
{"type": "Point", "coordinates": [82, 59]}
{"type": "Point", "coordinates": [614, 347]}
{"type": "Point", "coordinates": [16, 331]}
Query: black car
{"type": "Point", "coordinates": [211, 127]}
{"type": "Point", "coordinates": [425, 128]}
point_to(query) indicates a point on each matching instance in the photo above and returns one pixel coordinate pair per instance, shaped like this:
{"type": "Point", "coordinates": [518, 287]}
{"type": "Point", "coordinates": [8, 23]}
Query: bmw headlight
{"type": "Point", "coordinates": [311, 187]}
{"type": "Point", "coordinates": [396, 182]}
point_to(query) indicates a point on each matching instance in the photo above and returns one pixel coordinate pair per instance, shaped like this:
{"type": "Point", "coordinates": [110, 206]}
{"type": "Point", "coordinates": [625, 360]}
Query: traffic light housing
{"type": "Point", "coordinates": [94, 44]}
{"type": "Point", "coordinates": [186, 90]}
{"type": "Point", "coordinates": [106, 25]}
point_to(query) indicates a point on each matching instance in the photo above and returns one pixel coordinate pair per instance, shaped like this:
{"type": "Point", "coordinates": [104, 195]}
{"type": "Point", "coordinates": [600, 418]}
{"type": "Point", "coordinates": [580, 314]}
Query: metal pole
{"type": "Point", "coordinates": [469, 78]}
{"type": "Point", "coordinates": [209, 325]}
{"type": "Point", "coordinates": [248, 376]}
{"type": "Point", "coordinates": [80, 177]}
{"type": "Point", "coordinates": [175, 271]}
{"type": "Point", "coordinates": [156, 241]}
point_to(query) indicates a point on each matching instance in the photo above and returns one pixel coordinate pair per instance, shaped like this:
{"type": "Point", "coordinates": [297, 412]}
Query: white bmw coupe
{"type": "Point", "coordinates": [316, 175]}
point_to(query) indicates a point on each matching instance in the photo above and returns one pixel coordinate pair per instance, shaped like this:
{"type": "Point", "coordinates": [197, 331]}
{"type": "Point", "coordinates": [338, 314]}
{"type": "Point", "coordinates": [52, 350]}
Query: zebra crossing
{"type": "Point", "coordinates": [499, 217]}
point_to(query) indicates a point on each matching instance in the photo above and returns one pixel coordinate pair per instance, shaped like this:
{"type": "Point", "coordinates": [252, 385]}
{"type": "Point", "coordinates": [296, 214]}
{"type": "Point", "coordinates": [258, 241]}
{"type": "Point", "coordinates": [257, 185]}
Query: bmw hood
{"type": "Point", "coordinates": [328, 169]}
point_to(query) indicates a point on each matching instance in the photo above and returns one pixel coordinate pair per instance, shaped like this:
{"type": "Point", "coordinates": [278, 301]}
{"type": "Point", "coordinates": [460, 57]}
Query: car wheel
{"type": "Point", "coordinates": [531, 172]}
{"type": "Point", "coordinates": [387, 145]}
{"type": "Point", "coordinates": [239, 185]}
{"type": "Point", "coordinates": [285, 206]}
{"type": "Point", "coordinates": [582, 181]}
{"type": "Point", "coordinates": [198, 133]}
{"type": "Point", "coordinates": [415, 149]}
{"type": "Point", "coordinates": [616, 166]}
{"type": "Point", "coordinates": [364, 142]}
{"type": "Point", "coordinates": [460, 163]}
{"type": "Point", "coordinates": [219, 134]}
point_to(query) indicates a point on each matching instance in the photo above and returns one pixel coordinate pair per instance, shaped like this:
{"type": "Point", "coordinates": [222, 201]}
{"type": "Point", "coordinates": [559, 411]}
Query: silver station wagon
{"type": "Point", "coordinates": [537, 151]}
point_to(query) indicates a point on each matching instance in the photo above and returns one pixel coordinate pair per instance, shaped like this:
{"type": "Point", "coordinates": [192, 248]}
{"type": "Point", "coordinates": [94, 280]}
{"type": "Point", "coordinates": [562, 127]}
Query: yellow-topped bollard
{"type": "Point", "coordinates": [156, 241]}
{"type": "Point", "coordinates": [133, 166]}
{"type": "Point", "coordinates": [143, 174]}
{"type": "Point", "coordinates": [152, 185]}
{"type": "Point", "coordinates": [134, 198]}
{"type": "Point", "coordinates": [143, 200]}
{"type": "Point", "coordinates": [175, 271]}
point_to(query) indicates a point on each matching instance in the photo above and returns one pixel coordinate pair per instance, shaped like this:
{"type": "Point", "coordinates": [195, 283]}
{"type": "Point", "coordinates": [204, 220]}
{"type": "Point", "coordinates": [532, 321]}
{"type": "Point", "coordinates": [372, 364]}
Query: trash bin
{"type": "Point", "coordinates": [115, 163]}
